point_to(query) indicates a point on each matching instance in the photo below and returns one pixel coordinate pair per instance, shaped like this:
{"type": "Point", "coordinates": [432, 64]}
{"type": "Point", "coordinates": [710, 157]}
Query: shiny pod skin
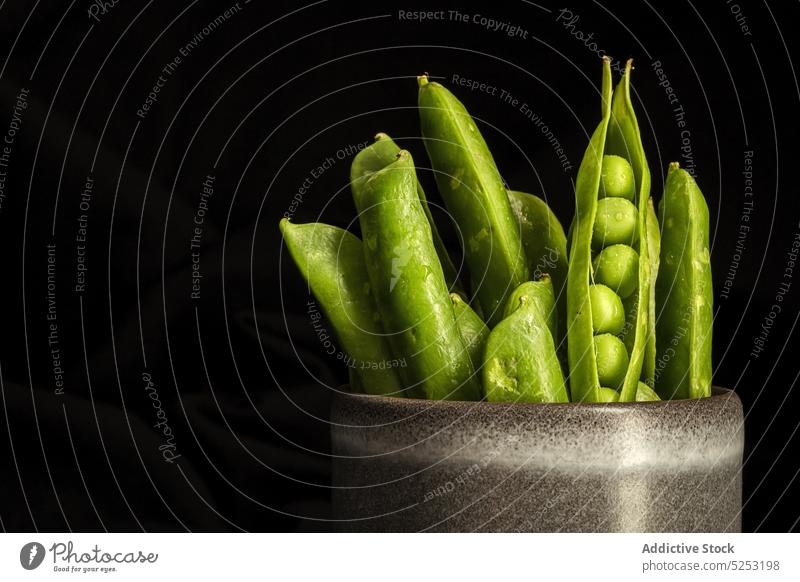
{"type": "Point", "coordinates": [608, 395]}
{"type": "Point", "coordinates": [645, 394]}
{"type": "Point", "coordinates": [332, 262]}
{"type": "Point", "coordinates": [520, 362]}
{"type": "Point", "coordinates": [475, 195]}
{"type": "Point", "coordinates": [408, 284]}
{"type": "Point", "coordinates": [472, 329]}
{"type": "Point", "coordinates": [382, 153]}
{"type": "Point", "coordinates": [540, 294]}
{"type": "Point", "coordinates": [545, 246]}
{"type": "Point", "coordinates": [653, 237]}
{"type": "Point", "coordinates": [684, 294]}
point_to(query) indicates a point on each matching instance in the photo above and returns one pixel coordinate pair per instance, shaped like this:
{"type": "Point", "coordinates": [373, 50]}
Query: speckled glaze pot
{"type": "Point", "coordinates": [418, 465]}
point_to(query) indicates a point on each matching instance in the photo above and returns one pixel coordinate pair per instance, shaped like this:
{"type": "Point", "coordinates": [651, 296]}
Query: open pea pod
{"type": "Point", "coordinates": [332, 262]}
{"type": "Point", "coordinates": [625, 141]}
{"type": "Point", "coordinates": [584, 384]}
{"type": "Point", "coordinates": [609, 260]}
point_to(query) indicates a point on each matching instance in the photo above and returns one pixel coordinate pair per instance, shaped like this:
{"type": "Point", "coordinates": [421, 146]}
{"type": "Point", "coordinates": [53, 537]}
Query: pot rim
{"type": "Point", "coordinates": [407, 409]}
{"type": "Point", "coordinates": [361, 412]}
{"type": "Point", "coordinates": [717, 393]}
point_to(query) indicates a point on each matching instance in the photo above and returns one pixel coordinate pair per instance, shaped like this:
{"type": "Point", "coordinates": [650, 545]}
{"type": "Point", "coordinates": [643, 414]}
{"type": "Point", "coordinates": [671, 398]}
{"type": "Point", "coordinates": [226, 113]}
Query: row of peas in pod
{"type": "Point", "coordinates": [534, 316]}
{"type": "Point", "coordinates": [610, 258]}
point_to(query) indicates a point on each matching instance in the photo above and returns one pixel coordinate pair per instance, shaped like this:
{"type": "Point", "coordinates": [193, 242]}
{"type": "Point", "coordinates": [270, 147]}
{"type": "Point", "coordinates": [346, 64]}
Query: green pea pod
{"type": "Point", "coordinates": [408, 284]}
{"type": "Point", "coordinates": [631, 307]}
{"type": "Point", "coordinates": [584, 383]}
{"type": "Point", "coordinates": [541, 295]}
{"type": "Point", "coordinates": [475, 195]}
{"type": "Point", "coordinates": [332, 262]}
{"type": "Point", "coordinates": [645, 394]}
{"type": "Point", "coordinates": [608, 395]}
{"type": "Point", "coordinates": [654, 252]}
{"type": "Point", "coordinates": [382, 153]}
{"type": "Point", "coordinates": [625, 141]}
{"type": "Point", "coordinates": [472, 329]}
{"type": "Point", "coordinates": [545, 247]}
{"type": "Point", "coordinates": [617, 136]}
{"type": "Point", "coordinates": [520, 362]}
{"type": "Point", "coordinates": [684, 294]}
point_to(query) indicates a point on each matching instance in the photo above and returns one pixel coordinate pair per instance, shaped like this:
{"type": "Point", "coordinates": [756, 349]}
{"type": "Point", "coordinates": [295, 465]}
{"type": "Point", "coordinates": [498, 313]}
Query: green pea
{"type": "Point", "coordinates": [645, 394]}
{"type": "Point", "coordinates": [606, 394]}
{"type": "Point", "coordinates": [617, 267]}
{"type": "Point", "coordinates": [615, 223]}
{"type": "Point", "coordinates": [608, 316]}
{"type": "Point", "coordinates": [612, 360]}
{"type": "Point", "coordinates": [616, 179]}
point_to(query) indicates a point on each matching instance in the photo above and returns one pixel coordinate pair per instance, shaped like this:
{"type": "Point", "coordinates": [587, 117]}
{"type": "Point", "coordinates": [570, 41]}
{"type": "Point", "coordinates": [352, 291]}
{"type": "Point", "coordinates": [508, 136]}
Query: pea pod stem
{"type": "Point", "coordinates": [541, 296]}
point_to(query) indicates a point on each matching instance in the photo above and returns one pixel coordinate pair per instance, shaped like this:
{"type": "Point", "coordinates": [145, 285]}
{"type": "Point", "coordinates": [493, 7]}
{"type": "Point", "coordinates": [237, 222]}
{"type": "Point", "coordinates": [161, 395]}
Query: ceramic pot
{"type": "Point", "coordinates": [421, 465]}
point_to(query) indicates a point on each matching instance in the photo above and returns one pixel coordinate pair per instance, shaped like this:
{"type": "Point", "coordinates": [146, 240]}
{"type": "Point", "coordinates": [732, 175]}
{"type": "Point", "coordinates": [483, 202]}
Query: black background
{"type": "Point", "coordinates": [259, 103]}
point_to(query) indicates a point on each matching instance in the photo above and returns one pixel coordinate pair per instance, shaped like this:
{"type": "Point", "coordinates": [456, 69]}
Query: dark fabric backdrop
{"type": "Point", "coordinates": [262, 97]}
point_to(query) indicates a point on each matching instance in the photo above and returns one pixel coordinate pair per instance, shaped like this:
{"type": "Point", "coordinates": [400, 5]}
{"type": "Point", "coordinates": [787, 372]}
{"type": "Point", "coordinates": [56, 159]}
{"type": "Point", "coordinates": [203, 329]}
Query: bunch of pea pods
{"type": "Point", "coordinates": [622, 311]}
